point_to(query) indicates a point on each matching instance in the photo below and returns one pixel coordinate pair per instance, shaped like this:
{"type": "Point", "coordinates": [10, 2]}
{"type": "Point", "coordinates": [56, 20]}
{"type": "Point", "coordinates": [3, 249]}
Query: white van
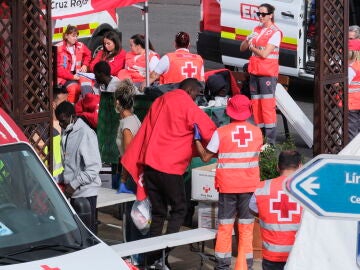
{"type": "Point", "coordinates": [226, 23]}
{"type": "Point", "coordinates": [39, 230]}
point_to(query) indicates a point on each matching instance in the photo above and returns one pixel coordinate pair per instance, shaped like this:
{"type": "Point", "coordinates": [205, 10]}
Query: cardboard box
{"type": "Point", "coordinates": [207, 215]}
{"type": "Point", "coordinates": [202, 183]}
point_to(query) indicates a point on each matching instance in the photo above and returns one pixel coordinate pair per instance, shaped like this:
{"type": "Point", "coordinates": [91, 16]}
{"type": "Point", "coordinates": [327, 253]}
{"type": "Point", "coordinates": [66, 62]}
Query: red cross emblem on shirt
{"type": "Point", "coordinates": [241, 136]}
{"type": "Point", "coordinates": [189, 70]}
{"type": "Point", "coordinates": [45, 267]}
{"type": "Point", "coordinates": [284, 207]}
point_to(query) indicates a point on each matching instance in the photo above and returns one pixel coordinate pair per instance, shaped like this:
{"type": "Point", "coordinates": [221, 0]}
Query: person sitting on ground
{"type": "Point", "coordinates": [135, 63]}
{"type": "Point", "coordinates": [112, 52]}
{"type": "Point", "coordinates": [72, 56]}
{"type": "Point", "coordinates": [278, 226]}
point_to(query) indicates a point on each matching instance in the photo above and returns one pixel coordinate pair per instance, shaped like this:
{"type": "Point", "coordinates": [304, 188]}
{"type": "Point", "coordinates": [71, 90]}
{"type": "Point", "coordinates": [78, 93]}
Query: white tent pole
{"type": "Point", "coordinates": [146, 11]}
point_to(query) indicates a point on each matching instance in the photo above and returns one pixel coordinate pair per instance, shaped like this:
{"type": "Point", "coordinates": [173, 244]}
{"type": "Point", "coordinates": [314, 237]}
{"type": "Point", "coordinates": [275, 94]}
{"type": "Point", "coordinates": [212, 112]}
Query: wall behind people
{"type": "Point", "coordinates": [176, 17]}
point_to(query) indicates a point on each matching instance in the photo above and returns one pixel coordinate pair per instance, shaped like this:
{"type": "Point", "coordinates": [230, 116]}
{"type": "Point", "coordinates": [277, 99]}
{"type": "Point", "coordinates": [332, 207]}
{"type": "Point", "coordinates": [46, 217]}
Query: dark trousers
{"type": "Point", "coordinates": [164, 190]}
{"type": "Point", "coordinates": [354, 123]}
{"type": "Point", "coordinates": [270, 265]}
{"type": "Point", "coordinates": [92, 221]}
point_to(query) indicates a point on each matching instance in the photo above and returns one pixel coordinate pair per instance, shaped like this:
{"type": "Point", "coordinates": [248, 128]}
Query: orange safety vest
{"type": "Point", "coordinates": [135, 66]}
{"type": "Point", "coordinates": [183, 65]}
{"type": "Point", "coordinates": [268, 66]}
{"type": "Point", "coordinates": [354, 89]}
{"type": "Point", "coordinates": [237, 169]}
{"type": "Point", "coordinates": [279, 219]}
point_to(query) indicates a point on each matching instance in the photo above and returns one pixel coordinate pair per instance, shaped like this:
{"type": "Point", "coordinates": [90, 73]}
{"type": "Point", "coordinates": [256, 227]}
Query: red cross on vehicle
{"type": "Point", "coordinates": [46, 267]}
{"type": "Point", "coordinates": [189, 70]}
{"type": "Point", "coordinates": [284, 207]}
{"type": "Point", "coordinates": [241, 136]}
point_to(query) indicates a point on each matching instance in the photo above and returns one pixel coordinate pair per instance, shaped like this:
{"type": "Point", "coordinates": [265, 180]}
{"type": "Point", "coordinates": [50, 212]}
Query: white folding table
{"type": "Point", "coordinates": [107, 197]}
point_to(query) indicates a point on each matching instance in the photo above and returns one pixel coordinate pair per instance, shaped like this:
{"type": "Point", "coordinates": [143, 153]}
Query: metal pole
{"type": "Point", "coordinates": [146, 14]}
{"type": "Point", "coordinates": [145, 10]}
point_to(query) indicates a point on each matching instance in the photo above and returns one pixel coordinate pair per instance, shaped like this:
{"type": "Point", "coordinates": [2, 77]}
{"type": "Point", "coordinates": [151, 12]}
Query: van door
{"type": "Point", "coordinates": [238, 19]}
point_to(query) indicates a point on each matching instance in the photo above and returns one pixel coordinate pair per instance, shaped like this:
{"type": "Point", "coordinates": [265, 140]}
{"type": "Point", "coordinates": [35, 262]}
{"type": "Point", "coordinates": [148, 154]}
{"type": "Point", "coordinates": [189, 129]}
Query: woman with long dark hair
{"type": "Point", "coordinates": [135, 63]}
{"type": "Point", "coordinates": [112, 52]}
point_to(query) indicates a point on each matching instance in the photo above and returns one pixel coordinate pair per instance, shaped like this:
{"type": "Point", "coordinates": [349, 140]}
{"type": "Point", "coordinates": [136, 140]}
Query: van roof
{"type": "Point", "coordinates": [9, 131]}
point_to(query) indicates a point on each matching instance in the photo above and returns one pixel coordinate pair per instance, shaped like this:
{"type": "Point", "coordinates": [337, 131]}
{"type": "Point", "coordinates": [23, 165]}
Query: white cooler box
{"type": "Point", "coordinates": [207, 215]}
{"type": "Point", "coordinates": [202, 183]}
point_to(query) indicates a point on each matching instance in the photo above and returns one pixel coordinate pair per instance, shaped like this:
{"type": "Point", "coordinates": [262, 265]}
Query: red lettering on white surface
{"type": "Point", "coordinates": [248, 12]}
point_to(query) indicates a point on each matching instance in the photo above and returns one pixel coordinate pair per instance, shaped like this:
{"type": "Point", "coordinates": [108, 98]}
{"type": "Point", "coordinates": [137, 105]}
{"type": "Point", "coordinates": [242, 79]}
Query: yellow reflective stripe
{"type": "Point", "coordinates": [245, 32]}
{"type": "Point", "coordinates": [58, 36]}
{"type": "Point", "coordinates": [94, 25]}
{"type": "Point", "coordinates": [85, 32]}
{"type": "Point", "coordinates": [228, 35]}
{"type": "Point", "coordinates": [242, 32]}
{"type": "Point", "coordinates": [289, 40]}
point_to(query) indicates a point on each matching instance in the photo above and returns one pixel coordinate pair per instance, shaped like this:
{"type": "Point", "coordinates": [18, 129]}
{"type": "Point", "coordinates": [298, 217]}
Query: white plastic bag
{"type": "Point", "coordinates": [141, 215]}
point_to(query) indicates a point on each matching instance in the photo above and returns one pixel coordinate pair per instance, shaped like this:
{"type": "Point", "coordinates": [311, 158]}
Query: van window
{"type": "Point", "coordinates": [33, 215]}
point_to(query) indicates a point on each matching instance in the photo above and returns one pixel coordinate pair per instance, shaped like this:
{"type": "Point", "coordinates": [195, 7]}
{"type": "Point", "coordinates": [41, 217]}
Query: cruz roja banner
{"type": "Point", "coordinates": [70, 8]}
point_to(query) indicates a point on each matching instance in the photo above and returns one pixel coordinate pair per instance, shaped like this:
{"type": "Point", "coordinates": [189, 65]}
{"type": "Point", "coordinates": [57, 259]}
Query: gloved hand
{"type": "Point", "coordinates": [197, 135]}
{"type": "Point", "coordinates": [251, 36]}
{"type": "Point", "coordinates": [124, 189]}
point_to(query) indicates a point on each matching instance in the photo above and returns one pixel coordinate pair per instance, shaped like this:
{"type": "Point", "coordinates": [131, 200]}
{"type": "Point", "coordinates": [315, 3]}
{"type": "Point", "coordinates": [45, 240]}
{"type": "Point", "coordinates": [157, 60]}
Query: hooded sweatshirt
{"type": "Point", "coordinates": [82, 162]}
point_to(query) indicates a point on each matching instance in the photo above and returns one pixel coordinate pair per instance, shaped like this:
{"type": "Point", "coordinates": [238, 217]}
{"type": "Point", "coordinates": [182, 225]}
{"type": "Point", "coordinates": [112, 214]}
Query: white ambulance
{"type": "Point", "coordinates": [39, 230]}
{"type": "Point", "coordinates": [226, 23]}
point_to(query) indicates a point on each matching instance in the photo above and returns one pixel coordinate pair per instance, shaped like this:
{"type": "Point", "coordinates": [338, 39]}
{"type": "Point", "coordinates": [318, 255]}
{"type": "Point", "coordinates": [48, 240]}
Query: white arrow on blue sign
{"type": "Point", "coordinates": [329, 185]}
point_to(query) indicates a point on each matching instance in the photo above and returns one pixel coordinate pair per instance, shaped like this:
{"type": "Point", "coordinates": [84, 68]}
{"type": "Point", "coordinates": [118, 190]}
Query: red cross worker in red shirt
{"type": "Point", "coordinates": [237, 175]}
{"type": "Point", "coordinates": [179, 65]}
{"type": "Point", "coordinates": [279, 215]}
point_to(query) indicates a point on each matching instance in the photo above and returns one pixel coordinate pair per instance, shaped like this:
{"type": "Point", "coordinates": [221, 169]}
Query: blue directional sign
{"type": "Point", "coordinates": [358, 246]}
{"type": "Point", "coordinates": [328, 185]}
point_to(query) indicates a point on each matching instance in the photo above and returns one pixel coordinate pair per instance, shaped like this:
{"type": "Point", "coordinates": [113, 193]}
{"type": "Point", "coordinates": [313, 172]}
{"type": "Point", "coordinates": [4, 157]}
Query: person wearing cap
{"type": "Point", "coordinates": [264, 44]}
{"type": "Point", "coordinates": [237, 175]}
{"type": "Point", "coordinates": [354, 89]}
{"type": "Point", "coordinates": [179, 65]}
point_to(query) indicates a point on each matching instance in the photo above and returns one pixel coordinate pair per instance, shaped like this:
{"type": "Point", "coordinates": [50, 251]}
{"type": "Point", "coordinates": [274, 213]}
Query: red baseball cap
{"type": "Point", "coordinates": [238, 107]}
{"type": "Point", "coordinates": [354, 44]}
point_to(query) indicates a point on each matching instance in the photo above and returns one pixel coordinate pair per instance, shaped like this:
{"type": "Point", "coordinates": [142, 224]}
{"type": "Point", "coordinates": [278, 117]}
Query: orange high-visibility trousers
{"type": "Point", "coordinates": [268, 110]}
{"type": "Point", "coordinates": [244, 258]}
{"type": "Point", "coordinates": [223, 248]}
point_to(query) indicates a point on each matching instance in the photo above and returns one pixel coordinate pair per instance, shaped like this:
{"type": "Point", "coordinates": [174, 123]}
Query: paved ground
{"type": "Point", "coordinates": [181, 258]}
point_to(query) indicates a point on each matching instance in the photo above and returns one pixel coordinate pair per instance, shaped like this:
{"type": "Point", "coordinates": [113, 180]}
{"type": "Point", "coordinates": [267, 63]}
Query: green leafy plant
{"type": "Point", "coordinates": [269, 158]}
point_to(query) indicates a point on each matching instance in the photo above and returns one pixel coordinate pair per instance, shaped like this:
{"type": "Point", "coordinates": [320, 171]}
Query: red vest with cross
{"type": "Point", "coordinates": [237, 169]}
{"type": "Point", "coordinates": [268, 66]}
{"type": "Point", "coordinates": [183, 65]}
{"type": "Point", "coordinates": [279, 219]}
